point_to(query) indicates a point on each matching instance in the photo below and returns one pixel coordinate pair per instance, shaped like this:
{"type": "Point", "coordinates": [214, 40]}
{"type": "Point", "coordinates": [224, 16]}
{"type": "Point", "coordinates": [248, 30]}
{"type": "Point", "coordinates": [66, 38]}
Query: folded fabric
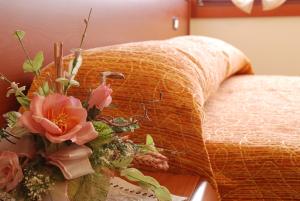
{"type": "Point", "coordinates": [73, 161]}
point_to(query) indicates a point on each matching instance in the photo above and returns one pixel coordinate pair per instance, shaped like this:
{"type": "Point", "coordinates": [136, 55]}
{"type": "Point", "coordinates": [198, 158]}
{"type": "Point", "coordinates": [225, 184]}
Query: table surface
{"type": "Point", "coordinates": [181, 185]}
{"type": "Point", "coordinates": [190, 186]}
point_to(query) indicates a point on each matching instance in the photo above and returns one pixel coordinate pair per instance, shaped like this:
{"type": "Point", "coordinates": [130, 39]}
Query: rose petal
{"type": "Point", "coordinates": [64, 137]}
{"type": "Point", "coordinates": [17, 178]}
{"type": "Point", "coordinates": [36, 105]}
{"type": "Point", "coordinates": [27, 120]}
{"type": "Point", "coordinates": [86, 134]}
{"type": "Point", "coordinates": [100, 97]}
{"type": "Point", "coordinates": [75, 101]}
{"type": "Point", "coordinates": [12, 169]}
{"type": "Point", "coordinates": [80, 114]}
{"type": "Point", "coordinates": [48, 125]}
{"type": "Point", "coordinates": [54, 103]}
{"type": "Point", "coordinates": [107, 101]}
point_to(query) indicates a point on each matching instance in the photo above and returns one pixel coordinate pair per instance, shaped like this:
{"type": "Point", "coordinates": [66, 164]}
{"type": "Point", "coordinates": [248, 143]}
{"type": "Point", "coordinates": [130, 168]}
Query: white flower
{"type": "Point", "coordinates": [75, 63]}
{"type": "Point", "coordinates": [15, 89]}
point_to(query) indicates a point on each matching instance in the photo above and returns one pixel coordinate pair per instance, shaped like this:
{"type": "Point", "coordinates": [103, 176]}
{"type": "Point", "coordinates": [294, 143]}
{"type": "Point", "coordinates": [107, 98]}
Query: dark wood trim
{"type": "Point", "coordinates": [225, 8]}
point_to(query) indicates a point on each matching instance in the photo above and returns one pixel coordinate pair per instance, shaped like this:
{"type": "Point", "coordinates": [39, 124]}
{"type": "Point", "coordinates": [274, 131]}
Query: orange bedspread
{"type": "Point", "coordinates": [188, 70]}
{"type": "Point", "coordinates": [252, 134]}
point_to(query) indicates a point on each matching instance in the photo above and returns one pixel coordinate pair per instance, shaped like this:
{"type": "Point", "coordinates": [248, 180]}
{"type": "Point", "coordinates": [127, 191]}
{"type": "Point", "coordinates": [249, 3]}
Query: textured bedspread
{"type": "Point", "coordinates": [186, 70]}
{"type": "Point", "coordinates": [249, 148]}
{"type": "Point", "coordinates": [252, 134]}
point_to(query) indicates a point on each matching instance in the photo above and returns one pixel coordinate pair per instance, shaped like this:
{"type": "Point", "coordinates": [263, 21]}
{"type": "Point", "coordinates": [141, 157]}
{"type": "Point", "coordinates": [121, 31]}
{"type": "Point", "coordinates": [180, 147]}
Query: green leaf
{"type": "Point", "coordinates": [11, 118]}
{"type": "Point", "coordinates": [123, 162]}
{"type": "Point", "coordinates": [121, 129]}
{"type": "Point", "coordinates": [135, 175]}
{"type": "Point", "coordinates": [44, 90]}
{"type": "Point", "coordinates": [92, 187]}
{"type": "Point", "coordinates": [162, 194]}
{"type": "Point", "coordinates": [3, 135]}
{"type": "Point", "coordinates": [35, 64]}
{"type": "Point", "coordinates": [40, 91]}
{"type": "Point", "coordinates": [27, 67]}
{"type": "Point", "coordinates": [105, 133]}
{"type": "Point", "coordinates": [149, 140]}
{"type": "Point", "coordinates": [103, 129]}
{"type": "Point", "coordinates": [19, 34]}
{"type": "Point", "coordinates": [64, 81]}
{"type": "Point", "coordinates": [74, 83]}
{"type": "Point", "coordinates": [38, 61]}
{"type": "Point", "coordinates": [149, 146]}
{"type": "Point", "coordinates": [23, 100]}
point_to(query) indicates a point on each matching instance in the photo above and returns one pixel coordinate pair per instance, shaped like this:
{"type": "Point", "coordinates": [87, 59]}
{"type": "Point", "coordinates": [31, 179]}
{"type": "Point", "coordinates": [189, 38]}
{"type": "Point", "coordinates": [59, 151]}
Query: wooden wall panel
{"type": "Point", "coordinates": [112, 22]}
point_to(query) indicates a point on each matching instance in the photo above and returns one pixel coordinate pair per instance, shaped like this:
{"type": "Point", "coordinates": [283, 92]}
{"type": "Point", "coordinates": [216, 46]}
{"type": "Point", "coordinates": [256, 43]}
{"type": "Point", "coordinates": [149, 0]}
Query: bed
{"type": "Point", "coordinates": [251, 132]}
{"type": "Point", "coordinates": [214, 118]}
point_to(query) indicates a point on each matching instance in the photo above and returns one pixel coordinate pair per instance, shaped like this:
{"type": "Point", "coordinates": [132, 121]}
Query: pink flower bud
{"type": "Point", "coordinates": [100, 97]}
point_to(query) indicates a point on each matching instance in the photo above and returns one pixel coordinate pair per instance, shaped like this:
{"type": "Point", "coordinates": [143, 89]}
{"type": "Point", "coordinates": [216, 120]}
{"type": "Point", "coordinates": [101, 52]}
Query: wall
{"type": "Point", "coordinates": [272, 43]}
{"type": "Point", "coordinates": [46, 22]}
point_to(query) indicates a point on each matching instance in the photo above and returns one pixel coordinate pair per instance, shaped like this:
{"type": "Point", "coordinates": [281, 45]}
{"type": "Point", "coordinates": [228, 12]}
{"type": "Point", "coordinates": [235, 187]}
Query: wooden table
{"type": "Point", "coordinates": [190, 186]}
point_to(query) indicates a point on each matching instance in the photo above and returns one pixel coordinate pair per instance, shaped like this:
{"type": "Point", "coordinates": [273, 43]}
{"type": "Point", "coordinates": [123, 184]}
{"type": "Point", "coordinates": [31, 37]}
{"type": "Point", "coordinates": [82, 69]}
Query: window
{"type": "Point", "coordinates": [225, 8]}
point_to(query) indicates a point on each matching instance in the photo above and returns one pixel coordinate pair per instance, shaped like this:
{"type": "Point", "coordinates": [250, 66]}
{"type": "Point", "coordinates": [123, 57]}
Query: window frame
{"type": "Point", "coordinates": [225, 8]}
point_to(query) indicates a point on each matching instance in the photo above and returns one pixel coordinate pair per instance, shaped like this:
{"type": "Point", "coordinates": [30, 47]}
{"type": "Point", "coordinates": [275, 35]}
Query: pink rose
{"type": "Point", "coordinates": [59, 118]}
{"type": "Point", "coordinates": [10, 171]}
{"type": "Point", "coordinates": [100, 97]}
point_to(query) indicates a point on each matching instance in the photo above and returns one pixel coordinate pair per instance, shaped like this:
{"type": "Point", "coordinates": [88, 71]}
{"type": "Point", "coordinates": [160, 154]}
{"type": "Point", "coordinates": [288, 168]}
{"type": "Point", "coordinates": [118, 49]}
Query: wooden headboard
{"type": "Point", "coordinates": [112, 22]}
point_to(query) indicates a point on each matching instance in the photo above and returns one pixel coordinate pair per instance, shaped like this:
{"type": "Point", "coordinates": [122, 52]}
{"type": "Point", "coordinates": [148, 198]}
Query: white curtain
{"type": "Point", "coordinates": [246, 5]}
{"type": "Point", "coordinates": [272, 4]}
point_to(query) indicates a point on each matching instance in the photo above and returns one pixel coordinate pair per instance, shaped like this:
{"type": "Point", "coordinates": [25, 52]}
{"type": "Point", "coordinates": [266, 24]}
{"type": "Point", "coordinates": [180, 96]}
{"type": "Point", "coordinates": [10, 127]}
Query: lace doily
{"type": "Point", "coordinates": [125, 191]}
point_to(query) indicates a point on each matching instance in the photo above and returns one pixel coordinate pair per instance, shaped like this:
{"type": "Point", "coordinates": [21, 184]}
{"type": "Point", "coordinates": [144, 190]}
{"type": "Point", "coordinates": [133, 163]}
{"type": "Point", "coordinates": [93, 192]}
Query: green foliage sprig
{"type": "Point", "coordinates": [17, 91]}
{"type": "Point", "coordinates": [11, 118]}
{"type": "Point", "coordinates": [30, 65]}
{"type": "Point", "coordinates": [149, 146]}
{"type": "Point", "coordinates": [161, 192]}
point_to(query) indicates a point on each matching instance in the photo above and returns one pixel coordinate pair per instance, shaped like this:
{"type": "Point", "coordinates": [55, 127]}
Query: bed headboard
{"type": "Point", "coordinates": [112, 22]}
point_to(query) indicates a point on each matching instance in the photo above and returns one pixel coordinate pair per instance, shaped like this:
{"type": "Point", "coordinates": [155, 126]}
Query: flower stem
{"type": "Point", "coordinates": [24, 50]}
{"type": "Point", "coordinates": [2, 77]}
{"type": "Point", "coordinates": [85, 29]}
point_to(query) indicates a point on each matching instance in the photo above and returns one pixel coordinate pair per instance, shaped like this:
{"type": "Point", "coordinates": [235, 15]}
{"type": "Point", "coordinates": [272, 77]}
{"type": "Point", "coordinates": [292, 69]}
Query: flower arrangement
{"type": "Point", "coordinates": [63, 149]}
